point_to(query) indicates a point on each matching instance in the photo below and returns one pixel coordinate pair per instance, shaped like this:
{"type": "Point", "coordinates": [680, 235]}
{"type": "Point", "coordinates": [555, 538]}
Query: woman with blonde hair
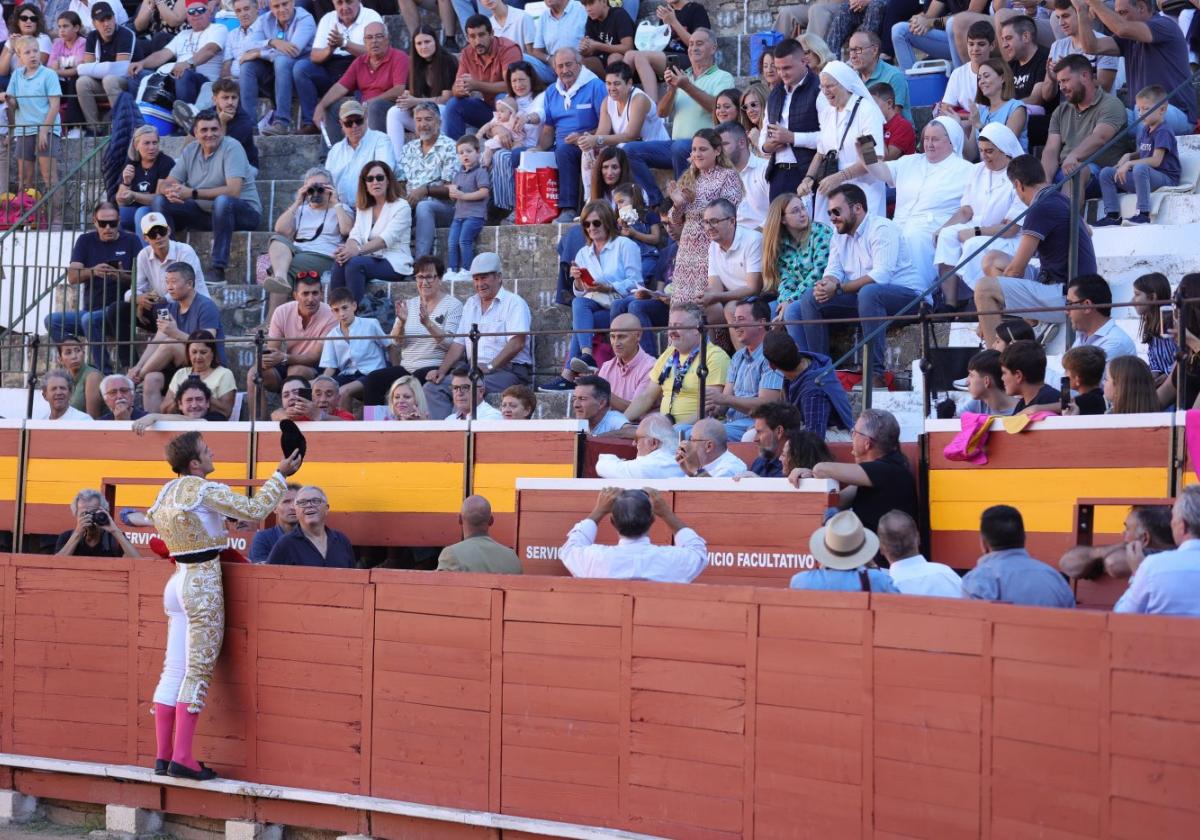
{"type": "Point", "coordinates": [710, 176]}
{"type": "Point", "coordinates": [406, 400]}
{"type": "Point", "coordinates": [816, 52]}
{"type": "Point", "coordinates": [1129, 387]}
{"type": "Point", "coordinates": [145, 165]}
{"type": "Point", "coordinates": [795, 251]}
{"type": "Point", "coordinates": [754, 114]}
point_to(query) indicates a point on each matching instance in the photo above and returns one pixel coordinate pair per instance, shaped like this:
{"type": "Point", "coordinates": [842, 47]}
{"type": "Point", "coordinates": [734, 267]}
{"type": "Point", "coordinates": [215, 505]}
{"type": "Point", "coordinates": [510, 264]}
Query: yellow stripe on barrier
{"type": "Point", "coordinates": [52, 481]}
{"type": "Point", "coordinates": [1050, 485]}
{"type": "Point", "coordinates": [1045, 517]}
{"type": "Point", "coordinates": [395, 487]}
{"type": "Point", "coordinates": [498, 482]}
{"type": "Point", "coordinates": [9, 467]}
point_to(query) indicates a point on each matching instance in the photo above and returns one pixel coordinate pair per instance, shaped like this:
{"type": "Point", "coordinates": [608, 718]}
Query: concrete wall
{"type": "Point", "coordinates": [683, 711]}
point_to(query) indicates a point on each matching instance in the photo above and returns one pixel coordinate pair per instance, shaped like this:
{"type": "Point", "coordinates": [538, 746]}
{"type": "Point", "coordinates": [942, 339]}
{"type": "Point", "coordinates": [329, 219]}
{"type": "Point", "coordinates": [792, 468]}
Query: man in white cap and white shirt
{"type": "Point", "coordinates": [152, 262]}
{"type": "Point", "coordinates": [504, 357]}
{"type": "Point", "coordinates": [634, 557]}
{"type": "Point", "coordinates": [656, 440]}
{"type": "Point", "coordinates": [900, 544]}
{"type": "Point", "coordinates": [844, 547]}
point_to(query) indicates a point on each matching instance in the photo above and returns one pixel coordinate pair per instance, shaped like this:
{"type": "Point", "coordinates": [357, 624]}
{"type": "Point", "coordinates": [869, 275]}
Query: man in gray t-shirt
{"type": "Point", "coordinates": [212, 188]}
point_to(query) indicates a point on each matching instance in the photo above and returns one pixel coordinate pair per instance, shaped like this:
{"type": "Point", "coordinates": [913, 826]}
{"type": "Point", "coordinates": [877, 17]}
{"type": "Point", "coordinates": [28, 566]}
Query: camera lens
{"type": "Point", "coordinates": [99, 517]}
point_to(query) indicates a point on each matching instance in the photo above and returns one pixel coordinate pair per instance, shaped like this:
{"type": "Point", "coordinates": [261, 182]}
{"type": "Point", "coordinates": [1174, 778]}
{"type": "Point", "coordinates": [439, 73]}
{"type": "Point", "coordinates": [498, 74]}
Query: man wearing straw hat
{"type": "Point", "coordinates": [844, 547]}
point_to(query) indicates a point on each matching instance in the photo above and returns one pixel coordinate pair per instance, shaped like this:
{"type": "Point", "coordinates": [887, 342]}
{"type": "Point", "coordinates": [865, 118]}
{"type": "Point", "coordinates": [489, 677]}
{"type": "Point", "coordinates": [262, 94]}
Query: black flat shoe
{"type": "Point", "coordinates": [160, 766]}
{"type": "Point", "coordinates": [180, 771]}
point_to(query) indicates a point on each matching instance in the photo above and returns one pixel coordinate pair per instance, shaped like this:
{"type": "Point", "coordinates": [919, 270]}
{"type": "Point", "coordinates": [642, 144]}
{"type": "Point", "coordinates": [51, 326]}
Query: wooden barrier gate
{"type": "Point", "coordinates": [686, 711]}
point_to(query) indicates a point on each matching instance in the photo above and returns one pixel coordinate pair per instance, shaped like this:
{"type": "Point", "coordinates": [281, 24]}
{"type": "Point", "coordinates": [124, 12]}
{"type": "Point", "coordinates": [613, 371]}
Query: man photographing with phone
{"type": "Point", "coordinates": [792, 127]}
{"type": "Point", "coordinates": [95, 534]}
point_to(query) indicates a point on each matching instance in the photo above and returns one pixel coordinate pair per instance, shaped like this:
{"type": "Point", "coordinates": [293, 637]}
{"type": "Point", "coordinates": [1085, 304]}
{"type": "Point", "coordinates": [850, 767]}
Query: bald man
{"type": "Point", "coordinates": [705, 454]}
{"type": "Point", "coordinates": [478, 552]}
{"type": "Point", "coordinates": [630, 365]}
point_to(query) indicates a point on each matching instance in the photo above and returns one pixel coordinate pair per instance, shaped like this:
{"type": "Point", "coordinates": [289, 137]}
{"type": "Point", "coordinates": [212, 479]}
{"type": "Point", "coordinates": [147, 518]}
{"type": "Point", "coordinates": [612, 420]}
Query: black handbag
{"type": "Point", "coordinates": [828, 164]}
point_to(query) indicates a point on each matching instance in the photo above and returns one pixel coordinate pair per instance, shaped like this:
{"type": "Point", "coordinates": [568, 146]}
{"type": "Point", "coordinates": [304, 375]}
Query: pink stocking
{"type": "Point", "coordinates": [185, 733]}
{"type": "Point", "coordinates": [164, 726]}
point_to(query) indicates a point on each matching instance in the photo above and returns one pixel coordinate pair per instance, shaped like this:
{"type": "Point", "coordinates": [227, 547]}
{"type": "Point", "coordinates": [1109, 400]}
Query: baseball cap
{"type": "Point", "coordinates": [351, 106]}
{"type": "Point", "coordinates": [486, 263]}
{"type": "Point", "coordinates": [152, 220]}
{"type": "Point", "coordinates": [102, 11]}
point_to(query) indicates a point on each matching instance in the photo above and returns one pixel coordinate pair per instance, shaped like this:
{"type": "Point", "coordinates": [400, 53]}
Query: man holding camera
{"type": "Point", "coordinates": [94, 534]}
{"type": "Point", "coordinates": [306, 234]}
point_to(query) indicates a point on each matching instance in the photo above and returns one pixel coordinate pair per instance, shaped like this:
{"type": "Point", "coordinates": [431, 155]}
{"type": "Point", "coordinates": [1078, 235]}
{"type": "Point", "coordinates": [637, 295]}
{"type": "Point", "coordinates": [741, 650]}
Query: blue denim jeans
{"type": "Point", "coordinates": [228, 214]}
{"type": "Point", "coordinates": [83, 323]}
{"type": "Point", "coordinates": [463, 111]}
{"type": "Point", "coordinates": [935, 43]}
{"type": "Point", "coordinates": [431, 214]}
{"type": "Point", "coordinates": [1141, 179]}
{"type": "Point", "coordinates": [260, 73]}
{"type": "Point", "coordinates": [131, 219]}
{"type": "Point", "coordinates": [463, 233]}
{"type": "Point", "coordinates": [645, 155]}
{"type": "Point", "coordinates": [871, 301]}
{"type": "Point", "coordinates": [544, 71]}
{"type": "Point", "coordinates": [586, 315]}
{"type": "Point", "coordinates": [312, 81]}
{"type": "Point", "coordinates": [356, 271]}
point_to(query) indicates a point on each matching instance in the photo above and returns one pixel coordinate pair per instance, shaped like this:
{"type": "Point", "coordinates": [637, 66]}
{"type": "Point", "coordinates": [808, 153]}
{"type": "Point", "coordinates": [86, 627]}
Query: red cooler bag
{"type": "Point", "coordinates": [537, 196]}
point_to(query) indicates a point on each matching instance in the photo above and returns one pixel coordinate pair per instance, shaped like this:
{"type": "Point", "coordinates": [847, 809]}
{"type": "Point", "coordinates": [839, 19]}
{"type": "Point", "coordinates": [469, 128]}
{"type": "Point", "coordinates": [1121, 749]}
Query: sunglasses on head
{"type": "Point", "coordinates": [307, 275]}
{"type": "Point", "coordinates": [375, 179]}
{"type": "Point", "coordinates": [355, 120]}
{"type": "Point", "coordinates": [108, 223]}
{"type": "Point", "coordinates": [156, 232]}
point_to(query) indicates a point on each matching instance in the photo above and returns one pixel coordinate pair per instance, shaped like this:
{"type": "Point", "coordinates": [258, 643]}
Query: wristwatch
{"type": "Point", "coordinates": [978, 232]}
{"type": "Point", "coordinates": [195, 193]}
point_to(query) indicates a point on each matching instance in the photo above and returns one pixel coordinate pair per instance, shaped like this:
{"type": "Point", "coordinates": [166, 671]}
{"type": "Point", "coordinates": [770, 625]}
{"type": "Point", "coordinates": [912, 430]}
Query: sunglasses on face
{"type": "Point", "coordinates": [349, 121]}
{"type": "Point", "coordinates": [108, 223]}
{"type": "Point", "coordinates": [198, 10]}
{"type": "Point", "coordinates": [156, 232]}
{"type": "Point", "coordinates": [835, 213]}
{"type": "Point", "coordinates": [375, 179]}
{"type": "Point", "coordinates": [28, 18]}
{"type": "Point", "coordinates": [595, 224]}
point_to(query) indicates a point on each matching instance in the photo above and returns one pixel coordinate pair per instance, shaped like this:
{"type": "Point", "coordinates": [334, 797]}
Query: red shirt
{"type": "Point", "coordinates": [392, 71]}
{"type": "Point", "coordinates": [489, 67]}
{"type": "Point", "coordinates": [899, 132]}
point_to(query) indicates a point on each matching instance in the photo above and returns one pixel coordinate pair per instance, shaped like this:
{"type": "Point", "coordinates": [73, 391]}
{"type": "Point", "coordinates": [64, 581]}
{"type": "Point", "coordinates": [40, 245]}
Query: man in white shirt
{"type": "Point", "coordinates": [870, 274]}
{"type": "Point", "coordinates": [56, 391]}
{"type": "Point", "coordinates": [503, 318]}
{"type": "Point", "coordinates": [634, 557]}
{"type": "Point", "coordinates": [734, 261]}
{"type": "Point", "coordinates": [196, 51]}
{"type": "Point", "coordinates": [656, 441]}
{"type": "Point", "coordinates": [152, 262]}
{"type": "Point", "coordinates": [791, 129]}
{"type": "Point", "coordinates": [1168, 583]}
{"type": "Point", "coordinates": [911, 572]}
{"type": "Point", "coordinates": [752, 169]}
{"type": "Point", "coordinates": [561, 25]}
{"type": "Point", "coordinates": [705, 454]}
{"type": "Point", "coordinates": [963, 86]}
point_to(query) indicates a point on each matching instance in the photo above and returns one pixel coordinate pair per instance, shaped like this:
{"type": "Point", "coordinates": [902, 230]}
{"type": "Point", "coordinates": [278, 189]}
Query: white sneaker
{"type": "Point", "coordinates": [960, 384]}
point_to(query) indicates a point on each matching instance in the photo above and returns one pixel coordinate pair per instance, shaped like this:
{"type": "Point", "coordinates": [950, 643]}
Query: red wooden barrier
{"type": "Point", "coordinates": [688, 711]}
{"type": "Point", "coordinates": [757, 529]}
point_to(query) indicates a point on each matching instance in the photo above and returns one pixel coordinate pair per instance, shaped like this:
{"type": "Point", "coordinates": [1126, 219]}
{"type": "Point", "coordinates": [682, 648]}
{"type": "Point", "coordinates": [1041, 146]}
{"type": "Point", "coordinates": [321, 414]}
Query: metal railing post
{"type": "Point", "coordinates": [868, 375]}
{"type": "Point", "coordinates": [31, 379]}
{"type": "Point", "coordinates": [260, 343]}
{"type": "Point", "coordinates": [926, 363]}
{"type": "Point", "coordinates": [702, 370]}
{"type": "Point", "coordinates": [475, 374]}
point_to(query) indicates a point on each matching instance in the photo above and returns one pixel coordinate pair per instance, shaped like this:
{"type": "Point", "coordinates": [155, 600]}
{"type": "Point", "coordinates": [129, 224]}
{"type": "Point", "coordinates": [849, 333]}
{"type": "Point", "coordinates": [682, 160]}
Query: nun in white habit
{"type": "Point", "coordinates": [846, 112]}
{"type": "Point", "coordinates": [989, 202]}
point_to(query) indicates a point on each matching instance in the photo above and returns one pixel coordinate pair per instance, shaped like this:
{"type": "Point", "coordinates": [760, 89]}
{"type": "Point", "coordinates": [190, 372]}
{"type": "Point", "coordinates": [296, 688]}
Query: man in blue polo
{"type": "Point", "coordinates": [570, 108]}
{"type": "Point", "coordinates": [311, 543]}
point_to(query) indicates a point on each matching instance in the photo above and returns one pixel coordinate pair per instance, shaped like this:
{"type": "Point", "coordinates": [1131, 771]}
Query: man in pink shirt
{"type": "Point", "coordinates": [293, 338]}
{"type": "Point", "coordinates": [379, 75]}
{"type": "Point", "coordinates": [630, 365]}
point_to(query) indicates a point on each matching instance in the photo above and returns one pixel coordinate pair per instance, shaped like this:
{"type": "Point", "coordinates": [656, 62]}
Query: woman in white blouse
{"type": "Point", "coordinates": [628, 115]}
{"type": "Point", "coordinates": [989, 202]}
{"type": "Point", "coordinates": [377, 248]}
{"type": "Point", "coordinates": [846, 112]}
{"type": "Point", "coordinates": [929, 188]}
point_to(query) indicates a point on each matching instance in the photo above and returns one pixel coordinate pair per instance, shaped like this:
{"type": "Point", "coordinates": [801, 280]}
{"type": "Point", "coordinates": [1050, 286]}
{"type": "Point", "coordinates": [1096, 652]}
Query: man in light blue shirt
{"type": "Point", "coordinates": [843, 548]}
{"type": "Point", "coordinates": [1006, 572]}
{"type": "Point", "coordinates": [1168, 583]}
{"type": "Point", "coordinates": [751, 380]}
{"type": "Point", "coordinates": [870, 274]}
{"type": "Point", "coordinates": [570, 108]}
{"type": "Point", "coordinates": [287, 36]}
{"type": "Point", "coordinates": [592, 401]}
{"type": "Point", "coordinates": [561, 25]}
{"type": "Point", "coordinates": [1094, 325]}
